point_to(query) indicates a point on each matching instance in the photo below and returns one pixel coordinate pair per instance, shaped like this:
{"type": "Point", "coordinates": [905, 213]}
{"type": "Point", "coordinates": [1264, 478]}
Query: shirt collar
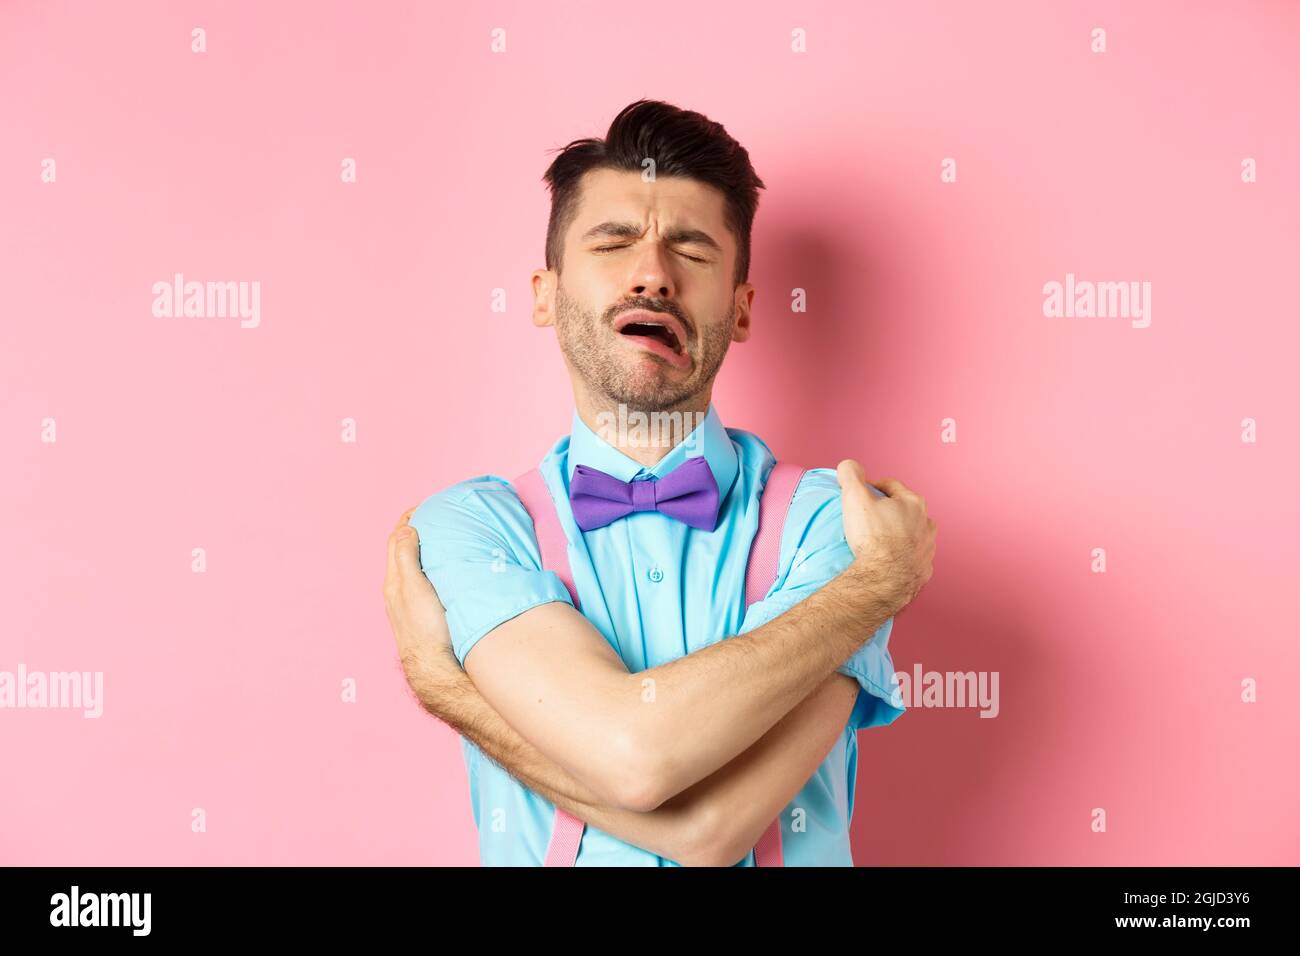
{"type": "Point", "coordinates": [709, 439]}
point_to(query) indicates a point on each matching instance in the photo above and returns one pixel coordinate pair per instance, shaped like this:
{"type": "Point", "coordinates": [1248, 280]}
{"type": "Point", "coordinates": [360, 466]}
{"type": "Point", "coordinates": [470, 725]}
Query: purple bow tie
{"type": "Point", "coordinates": [688, 493]}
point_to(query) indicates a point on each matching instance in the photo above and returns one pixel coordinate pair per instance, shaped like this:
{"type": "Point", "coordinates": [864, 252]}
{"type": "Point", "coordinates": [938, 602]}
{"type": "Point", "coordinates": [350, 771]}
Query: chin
{"type": "Point", "coordinates": [653, 376]}
{"type": "Point", "coordinates": [650, 396]}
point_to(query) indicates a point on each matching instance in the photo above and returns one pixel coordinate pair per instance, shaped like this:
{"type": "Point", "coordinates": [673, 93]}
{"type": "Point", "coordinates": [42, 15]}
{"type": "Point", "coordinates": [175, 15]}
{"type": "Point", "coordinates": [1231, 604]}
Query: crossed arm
{"type": "Point", "coordinates": [712, 823]}
{"type": "Point", "coordinates": [623, 752]}
{"type": "Point", "coordinates": [547, 697]}
{"type": "Point", "coordinates": [636, 740]}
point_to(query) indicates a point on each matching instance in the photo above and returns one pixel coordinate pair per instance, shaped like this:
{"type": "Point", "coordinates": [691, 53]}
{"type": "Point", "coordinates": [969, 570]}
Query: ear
{"type": "Point", "coordinates": [544, 284]}
{"type": "Point", "coordinates": [743, 303]}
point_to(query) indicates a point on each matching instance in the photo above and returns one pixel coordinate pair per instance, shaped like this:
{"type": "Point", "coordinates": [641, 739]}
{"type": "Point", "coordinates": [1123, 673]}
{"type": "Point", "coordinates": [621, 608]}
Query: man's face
{"type": "Point", "coordinates": [645, 306]}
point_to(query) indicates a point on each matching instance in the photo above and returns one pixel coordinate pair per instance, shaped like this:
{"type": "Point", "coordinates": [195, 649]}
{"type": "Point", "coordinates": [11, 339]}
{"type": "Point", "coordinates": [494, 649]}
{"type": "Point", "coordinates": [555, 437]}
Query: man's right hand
{"type": "Point", "coordinates": [892, 538]}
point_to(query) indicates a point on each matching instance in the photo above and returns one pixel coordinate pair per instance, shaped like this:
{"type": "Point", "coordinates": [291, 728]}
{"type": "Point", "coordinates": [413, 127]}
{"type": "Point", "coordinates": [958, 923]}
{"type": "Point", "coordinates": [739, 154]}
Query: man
{"type": "Point", "coordinates": [674, 721]}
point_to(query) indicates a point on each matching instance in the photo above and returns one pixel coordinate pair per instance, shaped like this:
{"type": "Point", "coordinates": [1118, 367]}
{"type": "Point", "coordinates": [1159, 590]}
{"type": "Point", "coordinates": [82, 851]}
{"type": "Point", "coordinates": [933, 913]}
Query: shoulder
{"type": "Point", "coordinates": [820, 487]}
{"type": "Point", "coordinates": [484, 502]}
{"type": "Point", "coordinates": [816, 509]}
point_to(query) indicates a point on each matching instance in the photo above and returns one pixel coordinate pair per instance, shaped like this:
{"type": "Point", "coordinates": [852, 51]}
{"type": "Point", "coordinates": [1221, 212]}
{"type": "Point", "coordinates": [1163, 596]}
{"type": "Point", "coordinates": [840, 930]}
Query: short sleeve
{"type": "Point", "coordinates": [478, 549]}
{"type": "Point", "coordinates": [813, 551]}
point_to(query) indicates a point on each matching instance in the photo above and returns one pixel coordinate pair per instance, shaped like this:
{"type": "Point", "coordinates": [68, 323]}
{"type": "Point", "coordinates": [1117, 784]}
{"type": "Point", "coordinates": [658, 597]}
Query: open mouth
{"type": "Point", "coordinates": [661, 333]}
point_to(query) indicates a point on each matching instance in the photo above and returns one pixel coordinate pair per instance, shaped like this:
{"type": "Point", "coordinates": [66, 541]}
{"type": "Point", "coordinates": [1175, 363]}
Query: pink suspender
{"type": "Point", "coordinates": [551, 541]}
{"type": "Point", "coordinates": [760, 573]}
{"type": "Point", "coordinates": [566, 832]}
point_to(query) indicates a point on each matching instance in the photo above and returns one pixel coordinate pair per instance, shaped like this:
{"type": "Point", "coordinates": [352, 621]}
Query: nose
{"type": "Point", "coordinates": [653, 277]}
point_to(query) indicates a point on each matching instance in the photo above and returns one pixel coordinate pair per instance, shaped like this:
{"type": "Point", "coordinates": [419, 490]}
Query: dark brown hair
{"type": "Point", "coordinates": [681, 143]}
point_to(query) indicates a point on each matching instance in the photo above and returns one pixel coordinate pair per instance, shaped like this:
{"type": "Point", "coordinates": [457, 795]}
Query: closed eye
{"type": "Point", "coordinates": [612, 248]}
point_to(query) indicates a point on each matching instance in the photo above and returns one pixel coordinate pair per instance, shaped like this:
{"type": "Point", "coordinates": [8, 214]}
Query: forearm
{"type": "Point", "coordinates": [633, 738]}
{"type": "Point", "coordinates": [674, 830]}
{"type": "Point", "coordinates": [446, 691]}
{"type": "Point", "coordinates": [740, 801]}
{"type": "Point", "coordinates": [740, 687]}
{"type": "Point", "coordinates": [714, 822]}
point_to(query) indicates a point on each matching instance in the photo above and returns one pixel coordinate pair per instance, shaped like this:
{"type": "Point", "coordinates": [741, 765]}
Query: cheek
{"type": "Point", "coordinates": [594, 272]}
{"type": "Point", "coordinates": [572, 294]}
{"type": "Point", "coordinates": [716, 318]}
{"type": "Point", "coordinates": [593, 294]}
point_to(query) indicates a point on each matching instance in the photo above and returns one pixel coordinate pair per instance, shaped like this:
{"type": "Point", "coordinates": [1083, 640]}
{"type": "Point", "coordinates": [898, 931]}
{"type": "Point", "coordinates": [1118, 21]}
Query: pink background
{"type": "Point", "coordinates": [222, 689]}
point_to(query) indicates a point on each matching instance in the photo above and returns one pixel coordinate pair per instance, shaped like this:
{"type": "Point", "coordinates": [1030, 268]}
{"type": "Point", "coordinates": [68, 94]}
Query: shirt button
{"type": "Point", "coordinates": [655, 574]}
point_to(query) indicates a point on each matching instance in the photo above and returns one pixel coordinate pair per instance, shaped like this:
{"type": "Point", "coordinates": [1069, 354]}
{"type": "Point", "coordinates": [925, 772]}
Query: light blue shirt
{"type": "Point", "coordinates": [656, 589]}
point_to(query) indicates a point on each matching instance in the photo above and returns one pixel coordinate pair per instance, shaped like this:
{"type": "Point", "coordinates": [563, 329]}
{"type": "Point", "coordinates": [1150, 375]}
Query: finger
{"type": "Point", "coordinates": [392, 584]}
{"type": "Point", "coordinates": [391, 574]}
{"type": "Point", "coordinates": [408, 563]}
{"type": "Point", "coordinates": [894, 488]}
{"type": "Point", "coordinates": [853, 484]}
{"type": "Point", "coordinates": [406, 518]}
{"type": "Point", "coordinates": [406, 552]}
{"type": "Point", "coordinates": [850, 470]}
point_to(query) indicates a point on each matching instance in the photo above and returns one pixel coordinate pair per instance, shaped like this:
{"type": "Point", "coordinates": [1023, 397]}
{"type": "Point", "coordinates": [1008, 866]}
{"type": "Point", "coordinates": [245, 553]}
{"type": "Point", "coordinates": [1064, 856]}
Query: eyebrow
{"type": "Point", "coordinates": [630, 230]}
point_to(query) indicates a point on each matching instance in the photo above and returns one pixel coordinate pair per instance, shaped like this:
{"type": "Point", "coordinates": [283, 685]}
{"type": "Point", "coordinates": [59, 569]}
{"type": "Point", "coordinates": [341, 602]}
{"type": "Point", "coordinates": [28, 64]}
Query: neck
{"type": "Point", "coordinates": [664, 428]}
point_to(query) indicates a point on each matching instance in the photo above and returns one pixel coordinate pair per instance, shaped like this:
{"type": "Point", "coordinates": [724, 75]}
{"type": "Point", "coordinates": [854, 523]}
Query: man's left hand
{"type": "Point", "coordinates": [416, 615]}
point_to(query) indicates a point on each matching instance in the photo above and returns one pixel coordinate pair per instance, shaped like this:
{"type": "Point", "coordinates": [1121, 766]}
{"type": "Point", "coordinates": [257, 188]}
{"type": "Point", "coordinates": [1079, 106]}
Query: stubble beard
{"type": "Point", "coordinates": [637, 383]}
